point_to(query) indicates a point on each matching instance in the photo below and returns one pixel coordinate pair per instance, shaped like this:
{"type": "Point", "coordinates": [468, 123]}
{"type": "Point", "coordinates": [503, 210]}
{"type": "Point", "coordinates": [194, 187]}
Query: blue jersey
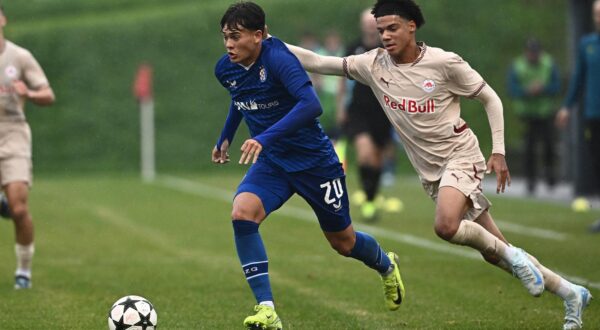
{"type": "Point", "coordinates": [586, 77]}
{"type": "Point", "coordinates": [265, 93]}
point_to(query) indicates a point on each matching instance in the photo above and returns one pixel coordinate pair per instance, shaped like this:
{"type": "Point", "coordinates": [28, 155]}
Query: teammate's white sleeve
{"type": "Point", "coordinates": [493, 107]}
{"type": "Point", "coordinates": [313, 62]}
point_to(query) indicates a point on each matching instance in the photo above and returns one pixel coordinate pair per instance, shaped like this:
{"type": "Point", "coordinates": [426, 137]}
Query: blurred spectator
{"type": "Point", "coordinates": [586, 81]}
{"type": "Point", "coordinates": [366, 123]}
{"type": "Point", "coordinates": [533, 83]}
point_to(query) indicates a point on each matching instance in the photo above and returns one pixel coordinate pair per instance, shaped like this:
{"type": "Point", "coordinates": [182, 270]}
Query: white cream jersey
{"type": "Point", "coordinates": [422, 100]}
{"type": "Point", "coordinates": [17, 63]}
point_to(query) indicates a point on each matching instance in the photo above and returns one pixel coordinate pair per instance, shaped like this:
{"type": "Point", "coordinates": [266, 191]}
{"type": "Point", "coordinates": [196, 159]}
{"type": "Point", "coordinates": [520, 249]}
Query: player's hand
{"type": "Point", "coordinates": [20, 88]}
{"type": "Point", "coordinates": [497, 163]}
{"type": "Point", "coordinates": [221, 156]}
{"type": "Point", "coordinates": [250, 151]}
{"type": "Point", "coordinates": [562, 118]}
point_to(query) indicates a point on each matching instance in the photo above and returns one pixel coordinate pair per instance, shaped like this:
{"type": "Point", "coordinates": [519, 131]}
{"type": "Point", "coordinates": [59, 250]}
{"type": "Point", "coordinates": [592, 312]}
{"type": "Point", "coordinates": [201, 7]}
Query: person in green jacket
{"type": "Point", "coordinates": [533, 82]}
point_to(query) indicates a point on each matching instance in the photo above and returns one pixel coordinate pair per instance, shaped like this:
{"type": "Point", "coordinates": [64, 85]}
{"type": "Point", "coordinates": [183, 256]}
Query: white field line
{"type": "Point", "coordinates": [199, 189]}
{"type": "Point", "coordinates": [156, 238]}
{"type": "Point", "coordinates": [531, 231]}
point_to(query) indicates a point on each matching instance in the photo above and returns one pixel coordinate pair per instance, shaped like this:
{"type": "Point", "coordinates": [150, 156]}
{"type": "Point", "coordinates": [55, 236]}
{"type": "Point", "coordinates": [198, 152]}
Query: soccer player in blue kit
{"type": "Point", "coordinates": [289, 154]}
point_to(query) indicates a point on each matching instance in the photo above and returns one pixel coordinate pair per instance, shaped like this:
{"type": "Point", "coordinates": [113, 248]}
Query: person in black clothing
{"type": "Point", "coordinates": [365, 122]}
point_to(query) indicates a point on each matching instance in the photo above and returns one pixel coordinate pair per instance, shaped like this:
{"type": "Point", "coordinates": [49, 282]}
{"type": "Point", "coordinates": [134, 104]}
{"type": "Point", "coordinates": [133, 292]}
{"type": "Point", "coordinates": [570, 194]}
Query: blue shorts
{"type": "Point", "coordinates": [324, 188]}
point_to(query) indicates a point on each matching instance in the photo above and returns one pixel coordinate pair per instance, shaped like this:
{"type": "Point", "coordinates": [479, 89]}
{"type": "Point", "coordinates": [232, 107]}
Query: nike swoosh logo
{"type": "Point", "coordinates": [399, 300]}
{"type": "Point", "coordinates": [537, 276]}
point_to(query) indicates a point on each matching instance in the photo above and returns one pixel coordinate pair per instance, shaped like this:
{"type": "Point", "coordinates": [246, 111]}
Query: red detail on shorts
{"type": "Point", "coordinates": [461, 129]}
{"type": "Point", "coordinates": [476, 176]}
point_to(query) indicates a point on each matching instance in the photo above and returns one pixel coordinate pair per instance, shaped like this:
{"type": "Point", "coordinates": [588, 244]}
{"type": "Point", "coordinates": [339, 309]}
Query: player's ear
{"type": "Point", "coordinates": [259, 35]}
{"type": "Point", "coordinates": [412, 26]}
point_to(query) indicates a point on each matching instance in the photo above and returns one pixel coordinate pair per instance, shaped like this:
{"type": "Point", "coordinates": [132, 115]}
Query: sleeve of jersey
{"type": "Point", "coordinates": [33, 74]}
{"type": "Point", "coordinates": [462, 79]}
{"type": "Point", "coordinates": [358, 67]}
{"type": "Point", "coordinates": [231, 125]}
{"type": "Point", "coordinates": [493, 107]}
{"type": "Point", "coordinates": [288, 70]}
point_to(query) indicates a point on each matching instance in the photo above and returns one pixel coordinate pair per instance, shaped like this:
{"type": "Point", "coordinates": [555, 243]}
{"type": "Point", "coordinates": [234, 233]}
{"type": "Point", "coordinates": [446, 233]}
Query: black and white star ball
{"type": "Point", "coordinates": [132, 313]}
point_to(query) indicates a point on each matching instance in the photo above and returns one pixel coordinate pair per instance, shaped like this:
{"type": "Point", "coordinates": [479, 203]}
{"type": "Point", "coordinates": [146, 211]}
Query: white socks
{"type": "Point", "coordinates": [267, 303]}
{"type": "Point", "coordinates": [24, 255]}
{"type": "Point", "coordinates": [553, 282]}
{"type": "Point", "coordinates": [474, 235]}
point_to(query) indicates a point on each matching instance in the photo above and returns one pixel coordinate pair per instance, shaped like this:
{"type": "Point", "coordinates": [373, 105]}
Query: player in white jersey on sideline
{"type": "Point", "coordinates": [21, 79]}
{"type": "Point", "coordinates": [419, 87]}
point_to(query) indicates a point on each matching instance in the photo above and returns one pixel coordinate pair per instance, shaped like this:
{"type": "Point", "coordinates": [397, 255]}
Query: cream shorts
{"type": "Point", "coordinates": [15, 153]}
{"type": "Point", "coordinates": [15, 169]}
{"type": "Point", "coordinates": [464, 175]}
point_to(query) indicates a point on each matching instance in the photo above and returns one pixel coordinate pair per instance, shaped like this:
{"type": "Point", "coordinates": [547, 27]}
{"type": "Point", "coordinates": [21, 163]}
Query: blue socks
{"type": "Point", "coordinates": [367, 250]}
{"type": "Point", "coordinates": [253, 258]}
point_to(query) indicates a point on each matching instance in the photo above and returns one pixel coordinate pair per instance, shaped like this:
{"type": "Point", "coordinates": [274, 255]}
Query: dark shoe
{"type": "Point", "coordinates": [4, 209]}
{"type": "Point", "coordinates": [595, 227]}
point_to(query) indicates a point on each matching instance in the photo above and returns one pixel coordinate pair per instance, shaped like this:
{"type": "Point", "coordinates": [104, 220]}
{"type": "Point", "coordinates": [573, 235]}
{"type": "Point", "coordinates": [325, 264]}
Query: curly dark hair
{"type": "Point", "coordinates": [244, 14]}
{"type": "Point", "coordinates": [407, 9]}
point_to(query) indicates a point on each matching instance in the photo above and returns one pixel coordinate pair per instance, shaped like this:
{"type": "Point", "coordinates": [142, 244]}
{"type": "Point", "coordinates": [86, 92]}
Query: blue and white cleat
{"type": "Point", "coordinates": [4, 209]}
{"type": "Point", "coordinates": [574, 307]}
{"type": "Point", "coordinates": [22, 282]}
{"type": "Point", "coordinates": [531, 277]}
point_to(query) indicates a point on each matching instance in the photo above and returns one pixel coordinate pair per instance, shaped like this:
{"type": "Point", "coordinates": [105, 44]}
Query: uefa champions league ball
{"type": "Point", "coordinates": [132, 313]}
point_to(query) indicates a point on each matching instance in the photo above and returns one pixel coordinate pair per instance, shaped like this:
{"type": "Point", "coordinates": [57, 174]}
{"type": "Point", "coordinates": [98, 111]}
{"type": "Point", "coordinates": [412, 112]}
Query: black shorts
{"type": "Point", "coordinates": [370, 120]}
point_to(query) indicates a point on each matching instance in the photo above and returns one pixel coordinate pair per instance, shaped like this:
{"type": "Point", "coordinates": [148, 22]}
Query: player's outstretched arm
{"type": "Point", "coordinates": [313, 62]}
{"type": "Point", "coordinates": [497, 163]}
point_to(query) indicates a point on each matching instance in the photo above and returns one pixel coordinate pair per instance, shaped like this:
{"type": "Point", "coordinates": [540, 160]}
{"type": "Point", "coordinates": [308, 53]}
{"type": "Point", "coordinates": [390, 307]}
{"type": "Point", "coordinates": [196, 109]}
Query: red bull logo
{"type": "Point", "coordinates": [410, 106]}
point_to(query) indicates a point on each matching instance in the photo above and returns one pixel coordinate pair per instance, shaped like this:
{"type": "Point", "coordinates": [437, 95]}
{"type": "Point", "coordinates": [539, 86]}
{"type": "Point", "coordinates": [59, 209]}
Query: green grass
{"type": "Point", "coordinates": [100, 238]}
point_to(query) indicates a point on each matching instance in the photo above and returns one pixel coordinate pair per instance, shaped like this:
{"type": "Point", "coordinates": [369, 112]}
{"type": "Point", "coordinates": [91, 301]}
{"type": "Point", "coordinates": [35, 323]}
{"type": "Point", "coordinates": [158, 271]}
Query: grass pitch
{"type": "Point", "coordinates": [100, 238]}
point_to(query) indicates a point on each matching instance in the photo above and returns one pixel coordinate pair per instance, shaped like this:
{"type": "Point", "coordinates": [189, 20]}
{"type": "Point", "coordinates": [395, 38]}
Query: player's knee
{"type": "Point", "coordinates": [343, 247]}
{"type": "Point", "coordinates": [248, 213]}
{"type": "Point", "coordinates": [19, 211]}
{"type": "Point", "coordinates": [445, 228]}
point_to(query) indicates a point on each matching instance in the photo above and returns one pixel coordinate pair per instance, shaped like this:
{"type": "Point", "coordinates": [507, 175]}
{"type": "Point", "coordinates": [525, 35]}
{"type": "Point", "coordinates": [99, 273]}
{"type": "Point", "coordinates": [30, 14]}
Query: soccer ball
{"type": "Point", "coordinates": [132, 313]}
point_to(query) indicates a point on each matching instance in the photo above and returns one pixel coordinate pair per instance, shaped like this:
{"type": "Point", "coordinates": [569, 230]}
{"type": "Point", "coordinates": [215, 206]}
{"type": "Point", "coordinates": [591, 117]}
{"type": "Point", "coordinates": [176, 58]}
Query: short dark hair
{"type": "Point", "coordinates": [244, 14]}
{"type": "Point", "coordinates": [406, 9]}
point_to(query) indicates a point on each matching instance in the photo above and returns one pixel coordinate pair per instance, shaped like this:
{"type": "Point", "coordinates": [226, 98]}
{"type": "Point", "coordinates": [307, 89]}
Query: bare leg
{"type": "Point", "coordinates": [451, 206]}
{"type": "Point", "coordinates": [17, 195]}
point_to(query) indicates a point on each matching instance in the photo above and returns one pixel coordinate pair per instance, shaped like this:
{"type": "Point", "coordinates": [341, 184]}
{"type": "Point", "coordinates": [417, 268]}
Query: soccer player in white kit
{"type": "Point", "coordinates": [21, 79]}
{"type": "Point", "coordinates": [419, 87]}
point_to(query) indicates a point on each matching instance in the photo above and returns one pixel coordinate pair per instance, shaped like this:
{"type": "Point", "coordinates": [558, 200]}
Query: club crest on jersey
{"type": "Point", "coordinates": [232, 84]}
{"type": "Point", "coordinates": [262, 74]}
{"type": "Point", "coordinates": [428, 85]}
{"type": "Point", "coordinates": [11, 71]}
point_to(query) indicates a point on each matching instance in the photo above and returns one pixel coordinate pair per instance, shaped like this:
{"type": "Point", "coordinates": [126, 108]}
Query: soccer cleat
{"type": "Point", "coordinates": [265, 319]}
{"type": "Point", "coordinates": [22, 282]}
{"type": "Point", "coordinates": [393, 288]}
{"type": "Point", "coordinates": [574, 307]}
{"type": "Point", "coordinates": [4, 209]}
{"type": "Point", "coordinates": [530, 276]}
{"type": "Point", "coordinates": [368, 211]}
